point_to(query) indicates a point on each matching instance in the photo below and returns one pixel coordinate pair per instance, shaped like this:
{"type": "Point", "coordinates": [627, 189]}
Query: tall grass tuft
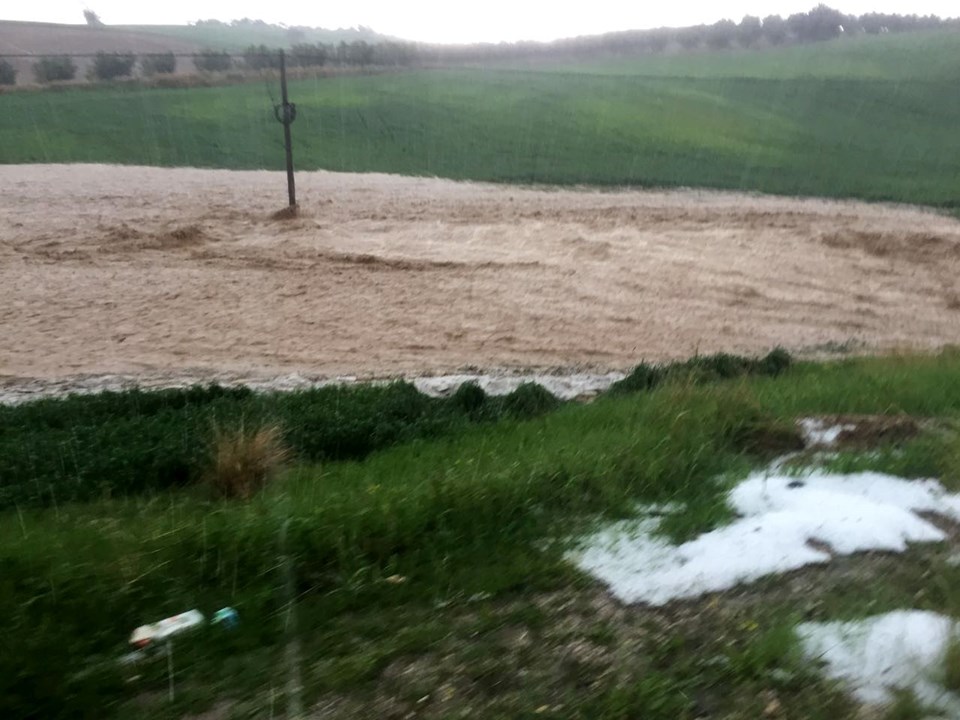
{"type": "Point", "coordinates": [245, 460]}
{"type": "Point", "coordinates": [951, 663]}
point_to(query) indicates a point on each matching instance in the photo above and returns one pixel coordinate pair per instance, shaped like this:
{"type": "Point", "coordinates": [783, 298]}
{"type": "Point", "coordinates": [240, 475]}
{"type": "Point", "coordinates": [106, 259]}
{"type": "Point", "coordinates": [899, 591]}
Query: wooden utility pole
{"type": "Point", "coordinates": [286, 113]}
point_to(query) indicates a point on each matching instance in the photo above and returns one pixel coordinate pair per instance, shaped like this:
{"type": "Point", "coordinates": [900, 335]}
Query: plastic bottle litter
{"type": "Point", "coordinates": [166, 628]}
{"type": "Point", "coordinates": [227, 617]}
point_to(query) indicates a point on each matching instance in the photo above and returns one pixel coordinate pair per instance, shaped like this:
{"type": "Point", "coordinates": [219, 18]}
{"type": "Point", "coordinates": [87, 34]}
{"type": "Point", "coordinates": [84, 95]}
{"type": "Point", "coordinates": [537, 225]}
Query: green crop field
{"type": "Point", "coordinates": [873, 118]}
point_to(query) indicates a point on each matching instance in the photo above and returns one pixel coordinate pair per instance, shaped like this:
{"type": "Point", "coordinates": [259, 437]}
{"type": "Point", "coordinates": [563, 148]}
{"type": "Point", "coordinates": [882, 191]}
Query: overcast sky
{"type": "Point", "coordinates": [451, 21]}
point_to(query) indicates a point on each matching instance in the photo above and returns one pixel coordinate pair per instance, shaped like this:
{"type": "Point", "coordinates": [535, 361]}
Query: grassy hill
{"type": "Point", "coordinates": [846, 118]}
{"type": "Point", "coordinates": [931, 55]}
{"type": "Point", "coordinates": [237, 37]}
{"type": "Point", "coordinates": [36, 38]}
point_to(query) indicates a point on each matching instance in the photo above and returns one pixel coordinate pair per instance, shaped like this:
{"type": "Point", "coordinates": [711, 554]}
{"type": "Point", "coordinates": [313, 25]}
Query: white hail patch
{"type": "Point", "coordinates": [902, 650]}
{"type": "Point", "coordinates": [779, 517]}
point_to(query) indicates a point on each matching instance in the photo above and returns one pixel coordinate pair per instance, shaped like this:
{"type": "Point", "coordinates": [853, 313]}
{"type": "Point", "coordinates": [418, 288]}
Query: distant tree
{"type": "Point", "coordinates": [821, 23]}
{"type": "Point", "coordinates": [159, 64]}
{"type": "Point", "coordinates": [749, 31]}
{"type": "Point", "coordinates": [307, 55]}
{"type": "Point", "coordinates": [361, 53]}
{"type": "Point", "coordinates": [107, 66]}
{"type": "Point", "coordinates": [260, 57]}
{"type": "Point", "coordinates": [691, 38]}
{"type": "Point", "coordinates": [657, 41]}
{"type": "Point", "coordinates": [54, 67]}
{"type": "Point", "coordinates": [722, 34]}
{"type": "Point", "coordinates": [212, 61]}
{"type": "Point", "coordinates": [8, 73]}
{"type": "Point", "coordinates": [93, 20]}
{"type": "Point", "coordinates": [296, 35]}
{"type": "Point", "coordinates": [395, 53]}
{"type": "Point", "coordinates": [872, 23]}
{"type": "Point", "coordinates": [774, 29]}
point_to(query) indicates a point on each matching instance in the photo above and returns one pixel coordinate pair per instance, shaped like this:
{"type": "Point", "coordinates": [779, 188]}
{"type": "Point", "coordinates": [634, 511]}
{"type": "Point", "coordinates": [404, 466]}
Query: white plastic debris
{"type": "Point", "coordinates": [166, 628]}
{"type": "Point", "coordinates": [817, 433]}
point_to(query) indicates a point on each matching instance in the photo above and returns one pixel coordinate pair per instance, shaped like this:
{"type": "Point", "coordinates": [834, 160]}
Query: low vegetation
{"type": "Point", "coordinates": [115, 444]}
{"type": "Point", "coordinates": [213, 61]}
{"type": "Point", "coordinates": [428, 575]}
{"type": "Point", "coordinates": [8, 73]}
{"type": "Point", "coordinates": [54, 68]}
{"type": "Point", "coordinates": [109, 66]}
{"type": "Point", "coordinates": [158, 64]}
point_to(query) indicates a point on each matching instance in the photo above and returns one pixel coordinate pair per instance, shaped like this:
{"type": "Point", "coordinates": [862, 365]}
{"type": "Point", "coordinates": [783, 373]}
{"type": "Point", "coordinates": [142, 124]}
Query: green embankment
{"type": "Point", "coordinates": [389, 557]}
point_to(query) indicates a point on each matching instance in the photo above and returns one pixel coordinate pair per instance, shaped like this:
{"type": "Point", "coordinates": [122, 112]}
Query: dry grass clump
{"type": "Point", "coordinates": [244, 461]}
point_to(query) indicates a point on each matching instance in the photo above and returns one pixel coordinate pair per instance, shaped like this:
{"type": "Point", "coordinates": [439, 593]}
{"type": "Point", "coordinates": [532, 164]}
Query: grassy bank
{"type": "Point", "coordinates": [439, 551]}
{"type": "Point", "coordinates": [859, 121]}
{"type": "Point", "coordinates": [117, 444]}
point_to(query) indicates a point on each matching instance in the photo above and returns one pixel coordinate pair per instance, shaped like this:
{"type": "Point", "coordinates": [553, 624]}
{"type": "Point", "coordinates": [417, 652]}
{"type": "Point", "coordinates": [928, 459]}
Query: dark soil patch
{"type": "Point", "coordinates": [291, 212]}
{"type": "Point", "coordinates": [912, 247]}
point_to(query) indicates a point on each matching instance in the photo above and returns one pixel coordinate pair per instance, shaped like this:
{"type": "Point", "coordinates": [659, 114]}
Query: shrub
{"type": "Point", "coordinates": [53, 68]}
{"type": "Point", "coordinates": [160, 64]}
{"type": "Point", "coordinates": [243, 461]}
{"type": "Point", "coordinates": [107, 66]}
{"type": "Point", "coordinates": [470, 398]}
{"type": "Point", "coordinates": [703, 368]}
{"type": "Point", "coordinates": [212, 61]}
{"type": "Point", "coordinates": [8, 73]}
{"type": "Point", "coordinates": [528, 401]}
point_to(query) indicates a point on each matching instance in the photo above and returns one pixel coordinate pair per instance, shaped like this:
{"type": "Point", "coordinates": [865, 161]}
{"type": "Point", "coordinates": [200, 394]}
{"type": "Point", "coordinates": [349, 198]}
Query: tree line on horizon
{"type": "Point", "coordinates": [819, 24]}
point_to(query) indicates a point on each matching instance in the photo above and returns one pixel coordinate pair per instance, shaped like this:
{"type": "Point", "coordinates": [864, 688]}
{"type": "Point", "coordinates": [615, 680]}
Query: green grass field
{"type": "Point", "coordinates": [872, 118]}
{"type": "Point", "coordinates": [430, 576]}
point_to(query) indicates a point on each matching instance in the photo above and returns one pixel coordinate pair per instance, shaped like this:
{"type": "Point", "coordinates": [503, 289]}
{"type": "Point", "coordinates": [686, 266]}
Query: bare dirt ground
{"type": "Point", "coordinates": [183, 273]}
